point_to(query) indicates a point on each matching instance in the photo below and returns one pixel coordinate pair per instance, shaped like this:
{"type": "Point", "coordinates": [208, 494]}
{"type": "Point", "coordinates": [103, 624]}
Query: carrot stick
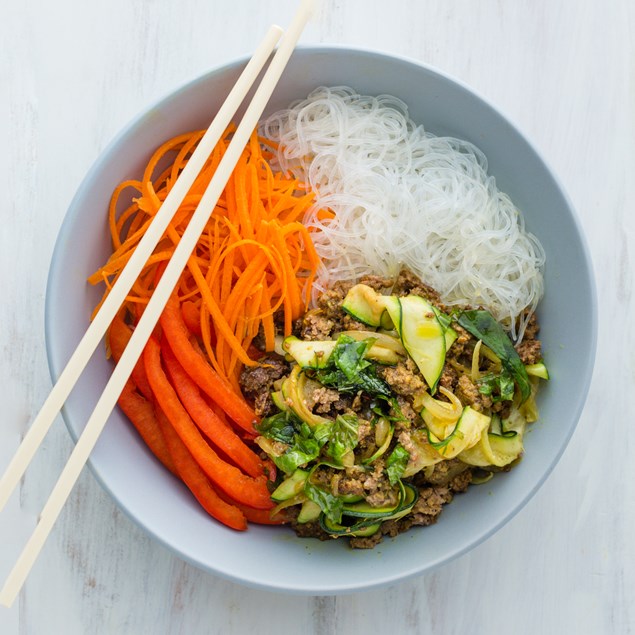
{"type": "Point", "coordinates": [200, 371]}
{"type": "Point", "coordinates": [118, 336]}
{"type": "Point", "coordinates": [192, 317]}
{"type": "Point", "coordinates": [258, 516]}
{"type": "Point", "coordinates": [244, 489]}
{"type": "Point", "coordinates": [217, 431]}
{"type": "Point", "coordinates": [197, 482]}
{"type": "Point", "coordinates": [141, 413]}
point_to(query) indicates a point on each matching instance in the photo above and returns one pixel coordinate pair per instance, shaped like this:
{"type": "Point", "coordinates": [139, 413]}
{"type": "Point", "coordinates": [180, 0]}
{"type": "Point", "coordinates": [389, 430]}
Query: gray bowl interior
{"type": "Point", "coordinates": [274, 558]}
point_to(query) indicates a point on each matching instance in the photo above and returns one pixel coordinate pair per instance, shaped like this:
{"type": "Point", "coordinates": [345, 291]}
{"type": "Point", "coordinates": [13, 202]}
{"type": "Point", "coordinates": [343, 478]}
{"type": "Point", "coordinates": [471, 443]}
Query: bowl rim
{"type": "Point", "coordinates": [584, 376]}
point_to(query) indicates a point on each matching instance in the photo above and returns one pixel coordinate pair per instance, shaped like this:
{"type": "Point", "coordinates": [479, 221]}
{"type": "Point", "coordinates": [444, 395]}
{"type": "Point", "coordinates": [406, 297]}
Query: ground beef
{"type": "Point", "coordinates": [315, 326]}
{"type": "Point", "coordinates": [449, 378]}
{"type": "Point", "coordinates": [323, 400]}
{"type": "Point", "coordinates": [330, 302]}
{"type": "Point", "coordinates": [408, 412]}
{"type": "Point", "coordinates": [378, 491]}
{"type": "Point", "coordinates": [309, 530]}
{"type": "Point", "coordinates": [429, 504]}
{"type": "Point", "coordinates": [529, 351]}
{"type": "Point", "coordinates": [444, 472]}
{"type": "Point", "coordinates": [404, 378]}
{"type": "Point", "coordinates": [502, 408]}
{"type": "Point", "coordinates": [348, 483]}
{"type": "Point", "coordinates": [379, 284]}
{"type": "Point", "coordinates": [365, 542]}
{"type": "Point", "coordinates": [461, 481]}
{"type": "Point", "coordinates": [257, 382]}
{"type": "Point", "coordinates": [469, 394]}
{"type": "Point", "coordinates": [532, 328]}
{"type": "Point", "coordinates": [463, 345]}
{"type": "Point", "coordinates": [365, 438]}
{"type": "Point", "coordinates": [408, 283]}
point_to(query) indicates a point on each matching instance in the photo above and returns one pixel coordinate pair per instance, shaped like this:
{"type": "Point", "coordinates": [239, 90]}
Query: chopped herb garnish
{"type": "Point", "coordinates": [348, 370]}
{"type": "Point", "coordinates": [482, 325]}
{"type": "Point", "coordinates": [344, 437]}
{"type": "Point", "coordinates": [396, 463]}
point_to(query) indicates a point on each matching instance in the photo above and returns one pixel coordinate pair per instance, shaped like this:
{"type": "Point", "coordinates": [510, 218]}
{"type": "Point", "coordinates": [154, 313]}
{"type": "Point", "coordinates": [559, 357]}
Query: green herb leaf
{"type": "Point", "coordinates": [396, 463]}
{"type": "Point", "coordinates": [483, 326]}
{"type": "Point", "coordinates": [287, 428]}
{"type": "Point", "coordinates": [344, 437]}
{"type": "Point", "coordinates": [393, 412]}
{"type": "Point", "coordinates": [348, 370]}
{"type": "Point", "coordinates": [280, 427]}
{"type": "Point", "coordinates": [498, 387]}
{"type": "Point", "coordinates": [332, 506]}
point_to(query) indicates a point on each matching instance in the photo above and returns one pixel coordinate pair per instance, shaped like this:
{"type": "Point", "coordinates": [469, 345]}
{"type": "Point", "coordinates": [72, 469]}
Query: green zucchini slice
{"type": "Point", "coordinates": [423, 337]}
{"type": "Point", "coordinates": [291, 486]}
{"type": "Point", "coordinates": [467, 432]}
{"type": "Point", "coordinates": [364, 304]}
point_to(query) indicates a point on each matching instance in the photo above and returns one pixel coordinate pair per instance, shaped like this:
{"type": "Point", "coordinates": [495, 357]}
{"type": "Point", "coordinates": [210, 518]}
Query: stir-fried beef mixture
{"type": "Point", "coordinates": [380, 410]}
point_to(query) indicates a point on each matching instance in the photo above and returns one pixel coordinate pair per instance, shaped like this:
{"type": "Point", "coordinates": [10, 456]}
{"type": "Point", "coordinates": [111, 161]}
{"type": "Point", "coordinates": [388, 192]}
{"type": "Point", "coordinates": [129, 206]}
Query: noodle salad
{"type": "Point", "coordinates": [354, 339]}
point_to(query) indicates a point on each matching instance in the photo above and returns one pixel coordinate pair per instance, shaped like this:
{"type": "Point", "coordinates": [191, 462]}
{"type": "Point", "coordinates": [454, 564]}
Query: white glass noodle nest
{"type": "Point", "coordinates": [404, 197]}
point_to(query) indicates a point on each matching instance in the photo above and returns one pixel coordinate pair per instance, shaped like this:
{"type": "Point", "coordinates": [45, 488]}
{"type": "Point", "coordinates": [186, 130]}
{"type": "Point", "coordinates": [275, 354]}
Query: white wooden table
{"type": "Point", "coordinates": [72, 73]}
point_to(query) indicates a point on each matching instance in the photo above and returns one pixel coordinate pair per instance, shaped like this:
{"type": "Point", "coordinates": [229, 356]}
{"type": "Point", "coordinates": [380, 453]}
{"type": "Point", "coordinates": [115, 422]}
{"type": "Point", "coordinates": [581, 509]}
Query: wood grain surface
{"type": "Point", "coordinates": [73, 72]}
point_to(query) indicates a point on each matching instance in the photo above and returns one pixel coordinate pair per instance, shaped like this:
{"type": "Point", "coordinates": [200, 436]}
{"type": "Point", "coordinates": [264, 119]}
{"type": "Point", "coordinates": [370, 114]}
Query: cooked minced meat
{"type": "Point", "coordinates": [368, 477]}
{"type": "Point", "coordinates": [330, 302]}
{"type": "Point", "coordinates": [529, 351]}
{"type": "Point", "coordinates": [469, 394]}
{"type": "Point", "coordinates": [315, 326]}
{"type": "Point", "coordinates": [449, 378]}
{"type": "Point", "coordinates": [257, 382]}
{"type": "Point", "coordinates": [444, 472]}
{"type": "Point", "coordinates": [404, 378]}
{"type": "Point", "coordinates": [407, 414]}
{"type": "Point", "coordinates": [323, 400]}
{"type": "Point", "coordinates": [408, 283]}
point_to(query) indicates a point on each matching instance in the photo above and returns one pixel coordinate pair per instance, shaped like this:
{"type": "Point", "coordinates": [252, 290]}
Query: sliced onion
{"type": "Point", "coordinates": [441, 409]}
{"type": "Point", "coordinates": [387, 341]}
{"type": "Point", "coordinates": [476, 361]}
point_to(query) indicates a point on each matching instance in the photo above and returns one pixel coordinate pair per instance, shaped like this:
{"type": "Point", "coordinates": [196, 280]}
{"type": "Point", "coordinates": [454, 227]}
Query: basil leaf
{"type": "Point", "coordinates": [396, 463]}
{"type": "Point", "coordinates": [348, 370]}
{"type": "Point", "coordinates": [344, 436]}
{"type": "Point", "coordinates": [332, 506]}
{"type": "Point", "coordinates": [498, 387]}
{"type": "Point", "coordinates": [280, 427]}
{"type": "Point", "coordinates": [303, 451]}
{"type": "Point", "coordinates": [289, 429]}
{"type": "Point", "coordinates": [483, 326]}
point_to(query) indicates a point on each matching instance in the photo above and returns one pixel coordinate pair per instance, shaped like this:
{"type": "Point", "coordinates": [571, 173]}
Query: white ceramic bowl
{"type": "Point", "coordinates": [273, 558]}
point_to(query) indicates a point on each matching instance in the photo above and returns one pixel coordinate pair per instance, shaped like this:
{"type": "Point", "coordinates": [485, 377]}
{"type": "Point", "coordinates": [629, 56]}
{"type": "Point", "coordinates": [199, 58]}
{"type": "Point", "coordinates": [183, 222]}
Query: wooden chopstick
{"type": "Point", "coordinates": [98, 327]}
{"type": "Point", "coordinates": [157, 302]}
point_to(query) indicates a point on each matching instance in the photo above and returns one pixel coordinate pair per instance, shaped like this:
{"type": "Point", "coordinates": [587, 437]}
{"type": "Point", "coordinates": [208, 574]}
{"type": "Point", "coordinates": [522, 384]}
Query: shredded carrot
{"type": "Point", "coordinates": [255, 233]}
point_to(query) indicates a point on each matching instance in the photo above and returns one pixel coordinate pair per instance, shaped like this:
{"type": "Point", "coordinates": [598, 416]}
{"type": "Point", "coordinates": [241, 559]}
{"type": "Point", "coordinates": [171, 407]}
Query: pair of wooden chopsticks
{"type": "Point", "coordinates": [117, 295]}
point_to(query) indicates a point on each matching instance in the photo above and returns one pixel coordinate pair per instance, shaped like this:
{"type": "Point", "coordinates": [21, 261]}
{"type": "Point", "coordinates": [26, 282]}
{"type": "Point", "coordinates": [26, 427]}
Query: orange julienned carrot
{"type": "Point", "coordinates": [258, 213]}
{"type": "Point", "coordinates": [192, 317]}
